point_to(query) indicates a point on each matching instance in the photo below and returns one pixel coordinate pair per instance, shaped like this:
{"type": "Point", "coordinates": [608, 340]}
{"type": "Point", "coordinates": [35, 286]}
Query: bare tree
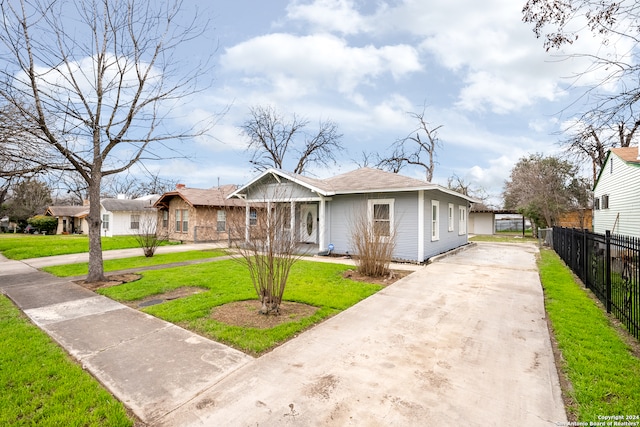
{"type": "Point", "coordinates": [96, 92]}
{"type": "Point", "coordinates": [590, 139]}
{"type": "Point", "coordinates": [418, 148]}
{"type": "Point", "coordinates": [28, 198]}
{"type": "Point", "coordinates": [561, 22]}
{"type": "Point", "coordinates": [20, 157]}
{"type": "Point", "coordinates": [541, 188]}
{"type": "Point", "coordinates": [458, 184]}
{"type": "Point", "coordinates": [275, 141]}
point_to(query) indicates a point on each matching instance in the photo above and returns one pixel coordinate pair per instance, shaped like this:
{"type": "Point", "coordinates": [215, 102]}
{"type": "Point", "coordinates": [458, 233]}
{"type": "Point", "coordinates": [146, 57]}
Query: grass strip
{"type": "Point", "coordinates": [82, 268]}
{"type": "Point", "coordinates": [25, 246]}
{"type": "Point", "coordinates": [604, 373]}
{"type": "Point", "coordinates": [312, 283]}
{"type": "Point", "coordinates": [41, 385]}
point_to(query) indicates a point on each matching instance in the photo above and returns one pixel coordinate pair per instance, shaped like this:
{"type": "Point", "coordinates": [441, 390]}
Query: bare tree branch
{"type": "Point", "coordinates": [273, 139]}
{"type": "Point", "coordinates": [97, 93]}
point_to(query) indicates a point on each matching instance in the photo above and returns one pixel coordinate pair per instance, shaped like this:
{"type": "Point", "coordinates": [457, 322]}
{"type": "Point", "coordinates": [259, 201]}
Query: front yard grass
{"type": "Point", "coordinates": [41, 385]}
{"type": "Point", "coordinates": [601, 366]}
{"type": "Point", "coordinates": [82, 268]}
{"type": "Point", "coordinates": [313, 283]}
{"type": "Point", "coordinates": [504, 238]}
{"type": "Point", "coordinates": [25, 246]}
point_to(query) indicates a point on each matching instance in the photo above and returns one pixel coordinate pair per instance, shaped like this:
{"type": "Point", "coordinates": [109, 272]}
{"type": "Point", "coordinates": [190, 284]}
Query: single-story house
{"type": "Point", "coordinates": [128, 216]}
{"type": "Point", "coordinates": [427, 219]}
{"type": "Point", "coordinates": [616, 193]}
{"type": "Point", "coordinates": [197, 214]}
{"type": "Point", "coordinates": [71, 219]}
{"type": "Point", "coordinates": [119, 216]}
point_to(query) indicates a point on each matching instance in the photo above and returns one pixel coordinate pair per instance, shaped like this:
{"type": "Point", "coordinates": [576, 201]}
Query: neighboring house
{"type": "Point", "coordinates": [578, 218]}
{"type": "Point", "coordinates": [427, 219]}
{"type": "Point", "coordinates": [196, 214]}
{"type": "Point", "coordinates": [616, 194]}
{"type": "Point", "coordinates": [71, 219]}
{"type": "Point", "coordinates": [128, 216]}
{"type": "Point", "coordinates": [119, 217]}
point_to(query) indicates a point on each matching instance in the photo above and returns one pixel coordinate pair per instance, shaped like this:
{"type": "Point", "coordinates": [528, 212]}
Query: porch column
{"type": "Point", "coordinates": [322, 244]}
{"type": "Point", "coordinates": [247, 216]}
{"type": "Point", "coordinates": [292, 225]}
{"type": "Point", "coordinates": [420, 225]}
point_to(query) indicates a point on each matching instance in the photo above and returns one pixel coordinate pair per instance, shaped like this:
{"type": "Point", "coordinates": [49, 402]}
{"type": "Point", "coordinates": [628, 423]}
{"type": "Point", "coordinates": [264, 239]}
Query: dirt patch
{"type": "Point", "coordinates": [167, 296]}
{"type": "Point", "coordinates": [393, 277]}
{"type": "Point", "coordinates": [112, 280]}
{"type": "Point", "coordinates": [246, 314]}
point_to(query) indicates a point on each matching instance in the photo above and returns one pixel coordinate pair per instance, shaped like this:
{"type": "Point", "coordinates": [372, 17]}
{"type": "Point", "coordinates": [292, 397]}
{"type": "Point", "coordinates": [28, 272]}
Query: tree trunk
{"type": "Point", "coordinates": [96, 268]}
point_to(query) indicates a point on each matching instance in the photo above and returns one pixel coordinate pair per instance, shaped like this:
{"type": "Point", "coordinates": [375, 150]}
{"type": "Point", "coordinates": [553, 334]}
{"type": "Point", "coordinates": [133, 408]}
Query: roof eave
{"type": "Point", "coordinates": [276, 172]}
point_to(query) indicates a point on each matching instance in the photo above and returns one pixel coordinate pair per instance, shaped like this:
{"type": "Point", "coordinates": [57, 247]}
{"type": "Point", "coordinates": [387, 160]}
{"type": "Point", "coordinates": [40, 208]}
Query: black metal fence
{"type": "Point", "coordinates": [609, 265]}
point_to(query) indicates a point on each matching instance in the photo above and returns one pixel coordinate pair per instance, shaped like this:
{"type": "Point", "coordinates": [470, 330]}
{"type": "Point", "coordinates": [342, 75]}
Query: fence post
{"type": "Point", "coordinates": [585, 264]}
{"type": "Point", "coordinates": [607, 270]}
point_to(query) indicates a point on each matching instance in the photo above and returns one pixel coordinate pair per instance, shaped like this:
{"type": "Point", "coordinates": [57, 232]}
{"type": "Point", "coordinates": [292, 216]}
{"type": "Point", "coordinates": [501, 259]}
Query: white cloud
{"type": "Point", "coordinates": [328, 15]}
{"type": "Point", "coordinates": [299, 66]}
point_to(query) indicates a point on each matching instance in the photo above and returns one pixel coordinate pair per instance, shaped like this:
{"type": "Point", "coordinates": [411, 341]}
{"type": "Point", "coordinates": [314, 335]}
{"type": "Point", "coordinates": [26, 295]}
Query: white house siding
{"type": "Point", "coordinates": [622, 184]}
{"type": "Point", "coordinates": [120, 222]}
{"type": "Point", "coordinates": [447, 239]}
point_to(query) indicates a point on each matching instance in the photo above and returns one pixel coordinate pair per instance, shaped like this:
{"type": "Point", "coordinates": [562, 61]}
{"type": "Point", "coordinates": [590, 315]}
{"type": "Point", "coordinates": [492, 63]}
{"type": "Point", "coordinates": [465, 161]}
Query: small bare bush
{"type": "Point", "coordinates": [148, 236]}
{"type": "Point", "coordinates": [373, 244]}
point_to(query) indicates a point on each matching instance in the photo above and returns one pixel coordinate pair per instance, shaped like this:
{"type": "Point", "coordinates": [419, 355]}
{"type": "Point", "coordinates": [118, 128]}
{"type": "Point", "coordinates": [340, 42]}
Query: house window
{"type": "Point", "coordinates": [605, 201]}
{"type": "Point", "coordinates": [165, 219]}
{"type": "Point", "coordinates": [381, 216]}
{"type": "Point", "coordinates": [462, 220]}
{"type": "Point", "coordinates": [253, 216]}
{"type": "Point", "coordinates": [450, 218]}
{"type": "Point", "coordinates": [222, 221]}
{"type": "Point", "coordinates": [105, 221]}
{"type": "Point", "coordinates": [596, 203]}
{"type": "Point", "coordinates": [435, 220]}
{"type": "Point", "coordinates": [135, 222]}
{"type": "Point", "coordinates": [182, 220]}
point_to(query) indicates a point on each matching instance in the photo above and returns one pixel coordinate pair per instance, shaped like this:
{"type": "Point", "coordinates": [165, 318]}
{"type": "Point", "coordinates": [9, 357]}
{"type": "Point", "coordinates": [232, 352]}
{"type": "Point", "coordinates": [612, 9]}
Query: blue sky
{"type": "Point", "coordinates": [478, 68]}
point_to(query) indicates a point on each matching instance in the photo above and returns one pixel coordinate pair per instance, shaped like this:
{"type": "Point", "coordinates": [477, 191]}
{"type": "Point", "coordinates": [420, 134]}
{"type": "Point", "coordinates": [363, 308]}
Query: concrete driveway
{"type": "Point", "coordinates": [461, 342]}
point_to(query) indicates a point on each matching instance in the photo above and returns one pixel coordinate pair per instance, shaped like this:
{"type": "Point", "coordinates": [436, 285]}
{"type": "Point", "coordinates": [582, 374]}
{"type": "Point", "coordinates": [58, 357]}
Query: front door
{"type": "Point", "coordinates": [308, 223]}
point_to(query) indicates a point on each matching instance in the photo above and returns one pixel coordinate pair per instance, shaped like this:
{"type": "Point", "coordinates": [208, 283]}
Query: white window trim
{"type": "Point", "coordinates": [435, 222]}
{"type": "Point", "coordinates": [451, 217]}
{"type": "Point", "coordinates": [462, 220]}
{"type": "Point", "coordinates": [389, 202]}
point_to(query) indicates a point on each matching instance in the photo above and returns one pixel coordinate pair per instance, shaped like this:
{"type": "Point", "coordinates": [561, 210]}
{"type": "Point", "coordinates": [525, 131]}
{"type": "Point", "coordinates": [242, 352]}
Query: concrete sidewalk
{"type": "Point", "coordinates": [116, 254]}
{"type": "Point", "coordinates": [462, 341]}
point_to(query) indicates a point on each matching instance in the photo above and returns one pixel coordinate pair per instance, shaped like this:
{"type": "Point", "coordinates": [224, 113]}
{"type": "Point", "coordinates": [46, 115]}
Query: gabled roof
{"type": "Point", "coordinates": [629, 155]}
{"type": "Point", "coordinates": [363, 180]}
{"type": "Point", "coordinates": [127, 205]}
{"type": "Point", "coordinates": [68, 211]}
{"type": "Point", "coordinates": [202, 197]}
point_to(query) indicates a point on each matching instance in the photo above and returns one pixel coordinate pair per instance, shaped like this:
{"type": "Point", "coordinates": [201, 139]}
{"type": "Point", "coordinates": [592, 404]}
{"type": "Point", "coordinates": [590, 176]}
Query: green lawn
{"type": "Point", "coordinates": [82, 268]}
{"type": "Point", "coordinates": [504, 238]}
{"type": "Point", "coordinates": [313, 283]}
{"type": "Point", "coordinates": [41, 386]}
{"type": "Point", "coordinates": [603, 371]}
{"type": "Point", "coordinates": [24, 246]}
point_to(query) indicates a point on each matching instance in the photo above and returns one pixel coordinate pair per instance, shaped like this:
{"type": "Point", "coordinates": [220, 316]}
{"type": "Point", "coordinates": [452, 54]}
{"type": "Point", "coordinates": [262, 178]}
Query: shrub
{"type": "Point", "coordinates": [44, 223]}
